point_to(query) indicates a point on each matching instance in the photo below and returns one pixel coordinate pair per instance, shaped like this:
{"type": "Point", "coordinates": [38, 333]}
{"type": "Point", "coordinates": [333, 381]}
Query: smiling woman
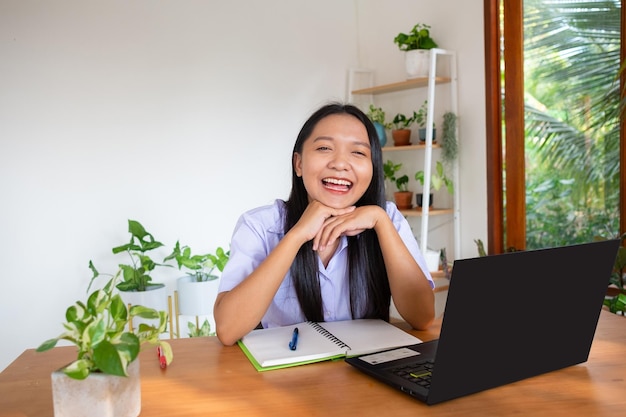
{"type": "Point", "coordinates": [335, 250]}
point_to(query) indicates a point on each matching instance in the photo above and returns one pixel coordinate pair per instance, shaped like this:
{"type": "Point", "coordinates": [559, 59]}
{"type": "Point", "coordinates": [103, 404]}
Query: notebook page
{"type": "Point", "coordinates": [270, 347]}
{"type": "Point", "coordinates": [369, 335]}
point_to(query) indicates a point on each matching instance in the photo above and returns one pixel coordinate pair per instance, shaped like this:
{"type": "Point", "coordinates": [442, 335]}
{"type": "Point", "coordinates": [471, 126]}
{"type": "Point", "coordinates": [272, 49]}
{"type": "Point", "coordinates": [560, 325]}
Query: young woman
{"type": "Point", "coordinates": [335, 250]}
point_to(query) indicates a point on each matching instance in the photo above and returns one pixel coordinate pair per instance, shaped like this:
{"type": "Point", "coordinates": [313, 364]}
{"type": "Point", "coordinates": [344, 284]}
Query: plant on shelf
{"type": "Point", "coordinates": [137, 276]}
{"type": "Point", "coordinates": [377, 116]}
{"type": "Point", "coordinates": [416, 45]}
{"type": "Point", "coordinates": [98, 327]}
{"type": "Point", "coordinates": [420, 119]}
{"type": "Point", "coordinates": [417, 38]}
{"type": "Point", "coordinates": [200, 267]}
{"type": "Point", "coordinates": [437, 180]}
{"type": "Point", "coordinates": [449, 145]}
{"type": "Point", "coordinates": [402, 197]}
{"type": "Point", "coordinates": [401, 132]}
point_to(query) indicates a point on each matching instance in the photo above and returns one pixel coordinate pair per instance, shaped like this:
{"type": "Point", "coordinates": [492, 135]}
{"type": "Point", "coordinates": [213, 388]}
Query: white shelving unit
{"type": "Point", "coordinates": [444, 61]}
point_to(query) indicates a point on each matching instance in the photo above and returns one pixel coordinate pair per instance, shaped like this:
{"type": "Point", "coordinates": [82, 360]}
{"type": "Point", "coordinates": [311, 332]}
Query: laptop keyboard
{"type": "Point", "coordinates": [417, 372]}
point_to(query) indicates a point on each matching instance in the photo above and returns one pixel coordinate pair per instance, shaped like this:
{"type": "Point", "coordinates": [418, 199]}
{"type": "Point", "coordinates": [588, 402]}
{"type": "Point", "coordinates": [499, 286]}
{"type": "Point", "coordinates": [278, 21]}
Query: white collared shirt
{"type": "Point", "coordinates": [257, 233]}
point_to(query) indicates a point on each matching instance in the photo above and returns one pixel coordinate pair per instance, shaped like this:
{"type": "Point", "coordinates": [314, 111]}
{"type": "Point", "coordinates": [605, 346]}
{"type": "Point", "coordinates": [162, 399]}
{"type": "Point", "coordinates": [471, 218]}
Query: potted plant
{"type": "Point", "coordinates": [402, 196]}
{"type": "Point", "coordinates": [197, 290]}
{"type": "Point", "coordinates": [377, 116]}
{"type": "Point", "coordinates": [401, 132]}
{"type": "Point", "coordinates": [137, 286]}
{"type": "Point", "coordinates": [420, 119]}
{"type": "Point", "coordinates": [104, 378]}
{"type": "Point", "coordinates": [416, 44]}
{"type": "Point", "coordinates": [449, 144]}
{"type": "Point", "coordinates": [437, 180]}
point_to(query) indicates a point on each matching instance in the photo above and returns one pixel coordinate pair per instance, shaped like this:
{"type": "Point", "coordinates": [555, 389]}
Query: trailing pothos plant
{"type": "Point", "coordinates": [137, 275]}
{"type": "Point", "coordinates": [99, 328]}
{"type": "Point", "coordinates": [200, 266]}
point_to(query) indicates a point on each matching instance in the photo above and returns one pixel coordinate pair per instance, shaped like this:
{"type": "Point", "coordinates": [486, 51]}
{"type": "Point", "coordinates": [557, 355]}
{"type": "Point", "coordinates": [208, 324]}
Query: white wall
{"type": "Point", "coordinates": [180, 114]}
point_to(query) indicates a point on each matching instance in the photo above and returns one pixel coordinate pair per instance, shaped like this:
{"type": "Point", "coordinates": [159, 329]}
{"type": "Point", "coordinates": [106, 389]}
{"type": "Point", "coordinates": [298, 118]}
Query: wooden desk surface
{"type": "Point", "coordinates": [208, 379]}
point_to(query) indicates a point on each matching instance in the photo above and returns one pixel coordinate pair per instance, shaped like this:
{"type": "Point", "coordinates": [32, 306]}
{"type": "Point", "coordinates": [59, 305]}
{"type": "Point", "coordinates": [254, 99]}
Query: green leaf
{"type": "Point", "coordinates": [118, 309]}
{"type": "Point", "coordinates": [144, 312]}
{"type": "Point", "coordinates": [109, 360]}
{"type": "Point", "coordinates": [95, 332]}
{"type": "Point", "coordinates": [130, 345]}
{"type": "Point", "coordinates": [78, 369]}
{"type": "Point", "coordinates": [47, 345]}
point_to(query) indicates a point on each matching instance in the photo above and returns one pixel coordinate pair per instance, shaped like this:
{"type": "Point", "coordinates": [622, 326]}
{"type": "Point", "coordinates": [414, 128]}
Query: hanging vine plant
{"type": "Point", "coordinates": [449, 144]}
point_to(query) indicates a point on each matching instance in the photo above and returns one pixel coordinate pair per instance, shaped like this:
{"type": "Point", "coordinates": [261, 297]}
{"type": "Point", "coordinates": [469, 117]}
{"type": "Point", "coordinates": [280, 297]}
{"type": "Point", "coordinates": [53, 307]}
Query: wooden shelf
{"type": "Point", "coordinates": [408, 147]}
{"type": "Point", "coordinates": [417, 211]}
{"type": "Point", "coordinates": [400, 86]}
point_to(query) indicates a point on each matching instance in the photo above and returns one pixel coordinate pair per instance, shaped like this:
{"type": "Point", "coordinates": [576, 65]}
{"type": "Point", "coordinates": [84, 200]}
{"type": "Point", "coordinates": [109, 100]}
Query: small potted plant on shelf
{"type": "Point", "coordinates": [437, 180]}
{"type": "Point", "coordinates": [197, 290]}
{"type": "Point", "coordinates": [377, 116]}
{"type": "Point", "coordinates": [416, 44]}
{"type": "Point", "coordinates": [420, 119]}
{"type": "Point", "coordinates": [402, 196]}
{"type": "Point", "coordinates": [401, 132]}
{"type": "Point", "coordinates": [104, 378]}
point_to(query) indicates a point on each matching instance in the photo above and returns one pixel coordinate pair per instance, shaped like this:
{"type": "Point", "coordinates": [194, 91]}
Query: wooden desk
{"type": "Point", "coordinates": [208, 379]}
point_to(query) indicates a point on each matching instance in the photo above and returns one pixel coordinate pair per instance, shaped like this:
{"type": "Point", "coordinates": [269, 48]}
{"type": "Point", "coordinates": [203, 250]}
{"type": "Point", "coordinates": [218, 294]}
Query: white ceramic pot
{"type": "Point", "coordinates": [98, 395]}
{"type": "Point", "coordinates": [196, 298]}
{"type": "Point", "coordinates": [417, 63]}
{"type": "Point", "coordinates": [154, 297]}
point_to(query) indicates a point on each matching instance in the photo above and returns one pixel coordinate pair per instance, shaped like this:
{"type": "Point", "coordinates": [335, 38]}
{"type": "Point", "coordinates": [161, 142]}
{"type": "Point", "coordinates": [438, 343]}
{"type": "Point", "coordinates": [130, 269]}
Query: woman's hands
{"type": "Point", "coordinates": [324, 225]}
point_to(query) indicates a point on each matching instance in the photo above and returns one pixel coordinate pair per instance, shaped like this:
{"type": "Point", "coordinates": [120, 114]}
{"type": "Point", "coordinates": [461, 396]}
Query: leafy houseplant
{"type": "Point", "coordinates": [420, 119]}
{"type": "Point", "coordinates": [437, 180]}
{"type": "Point", "coordinates": [377, 116]}
{"type": "Point", "coordinates": [416, 44]}
{"type": "Point", "coordinates": [197, 291]}
{"type": "Point", "coordinates": [401, 132]}
{"type": "Point", "coordinates": [417, 38]}
{"type": "Point", "coordinates": [402, 197]}
{"type": "Point", "coordinates": [137, 276]}
{"type": "Point", "coordinates": [98, 327]}
{"type": "Point", "coordinates": [200, 331]}
{"type": "Point", "coordinates": [200, 266]}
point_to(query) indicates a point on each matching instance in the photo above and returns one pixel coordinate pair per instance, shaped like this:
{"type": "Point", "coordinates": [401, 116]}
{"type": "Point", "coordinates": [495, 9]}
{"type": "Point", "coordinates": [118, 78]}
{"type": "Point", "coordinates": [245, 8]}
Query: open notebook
{"type": "Point", "coordinates": [269, 348]}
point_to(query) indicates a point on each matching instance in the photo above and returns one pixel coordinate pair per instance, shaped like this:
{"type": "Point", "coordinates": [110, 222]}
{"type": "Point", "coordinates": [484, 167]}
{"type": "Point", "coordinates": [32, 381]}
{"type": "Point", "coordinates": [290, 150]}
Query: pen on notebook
{"type": "Point", "coordinates": [294, 340]}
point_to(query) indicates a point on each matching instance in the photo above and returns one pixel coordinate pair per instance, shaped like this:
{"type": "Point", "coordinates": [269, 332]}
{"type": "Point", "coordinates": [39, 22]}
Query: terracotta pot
{"type": "Point", "coordinates": [403, 199]}
{"type": "Point", "coordinates": [401, 137]}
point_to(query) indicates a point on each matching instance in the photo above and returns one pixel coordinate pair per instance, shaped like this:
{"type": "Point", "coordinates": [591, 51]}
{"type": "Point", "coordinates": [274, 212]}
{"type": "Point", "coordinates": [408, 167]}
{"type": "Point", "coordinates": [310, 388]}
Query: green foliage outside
{"type": "Point", "coordinates": [572, 121]}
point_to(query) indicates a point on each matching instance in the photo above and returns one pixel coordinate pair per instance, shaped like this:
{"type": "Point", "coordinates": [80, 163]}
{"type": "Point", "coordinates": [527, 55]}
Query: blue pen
{"type": "Point", "coordinates": [294, 340]}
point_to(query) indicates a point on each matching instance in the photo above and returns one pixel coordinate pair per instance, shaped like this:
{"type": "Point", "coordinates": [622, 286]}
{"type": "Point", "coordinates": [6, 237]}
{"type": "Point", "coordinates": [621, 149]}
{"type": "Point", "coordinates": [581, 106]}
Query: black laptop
{"type": "Point", "coordinates": [508, 317]}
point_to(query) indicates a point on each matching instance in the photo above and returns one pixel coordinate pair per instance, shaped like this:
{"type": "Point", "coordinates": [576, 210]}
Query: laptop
{"type": "Point", "coordinates": [508, 317]}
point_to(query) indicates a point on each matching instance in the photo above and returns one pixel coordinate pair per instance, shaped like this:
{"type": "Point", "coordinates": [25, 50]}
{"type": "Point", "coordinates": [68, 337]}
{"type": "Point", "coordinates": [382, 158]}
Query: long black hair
{"type": "Point", "coordinates": [370, 295]}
